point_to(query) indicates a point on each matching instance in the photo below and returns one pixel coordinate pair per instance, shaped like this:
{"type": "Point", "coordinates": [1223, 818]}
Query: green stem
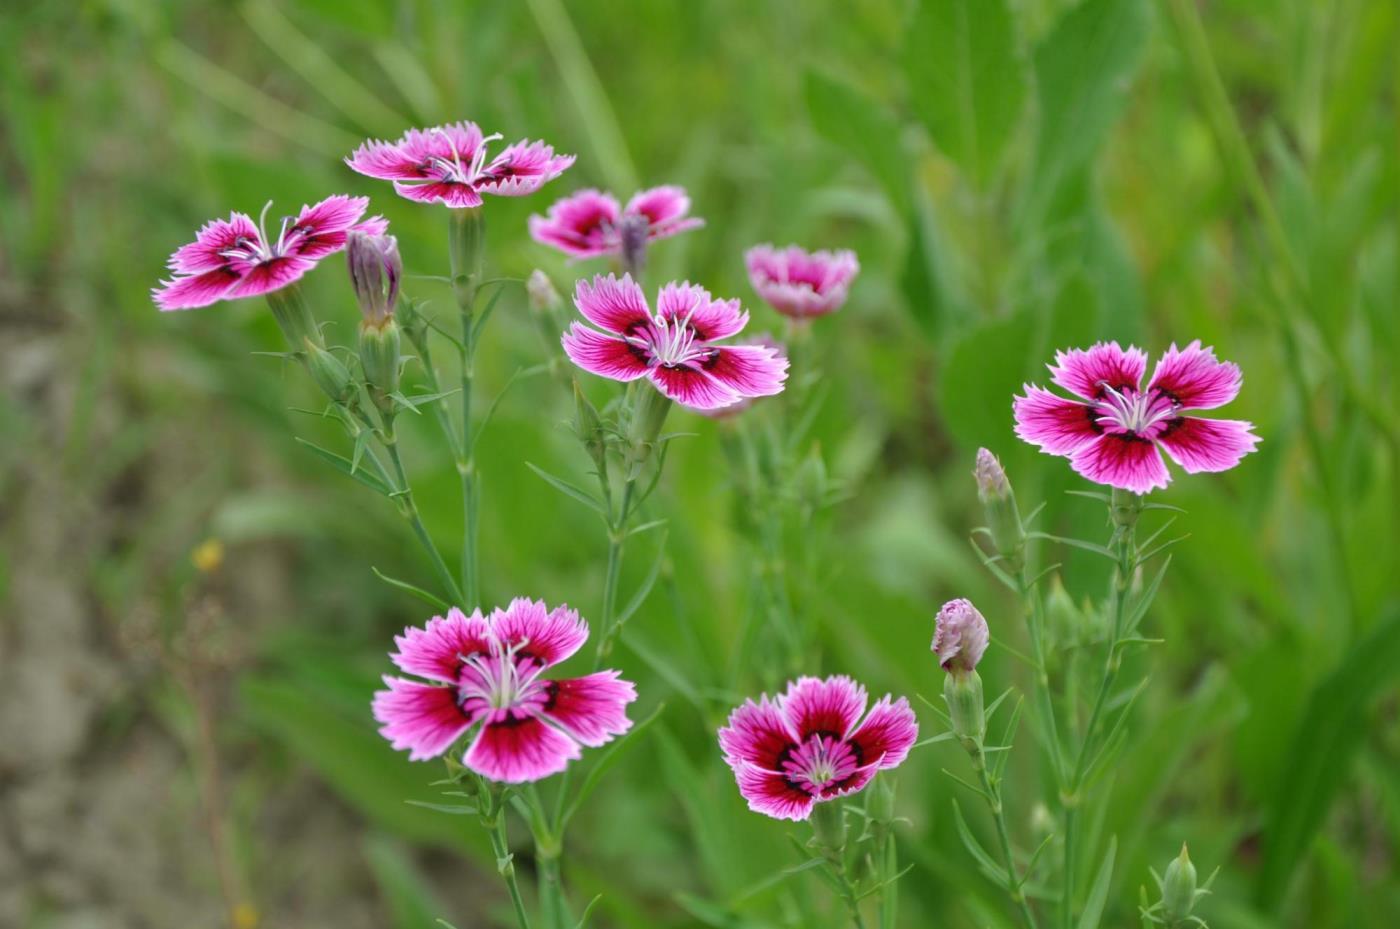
{"type": "Point", "coordinates": [889, 895]}
{"type": "Point", "coordinates": [993, 791]}
{"type": "Point", "coordinates": [506, 866]}
{"type": "Point", "coordinates": [1125, 549]}
{"type": "Point", "coordinates": [409, 509]}
{"type": "Point", "coordinates": [465, 238]}
{"type": "Point", "coordinates": [617, 533]}
{"type": "Point", "coordinates": [552, 899]}
{"type": "Point", "coordinates": [1035, 622]}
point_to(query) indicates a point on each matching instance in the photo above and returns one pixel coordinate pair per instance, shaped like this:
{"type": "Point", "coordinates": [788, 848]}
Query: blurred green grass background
{"type": "Point", "coordinates": [1097, 192]}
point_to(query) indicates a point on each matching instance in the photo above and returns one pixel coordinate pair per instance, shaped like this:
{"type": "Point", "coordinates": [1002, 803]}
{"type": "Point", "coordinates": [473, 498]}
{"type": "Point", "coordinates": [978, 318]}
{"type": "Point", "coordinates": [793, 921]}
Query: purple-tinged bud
{"type": "Point", "coordinates": [960, 636]}
{"type": "Point", "coordinates": [633, 230]}
{"type": "Point", "coordinates": [540, 289]}
{"type": "Point", "coordinates": [999, 504]}
{"type": "Point", "coordinates": [959, 639]}
{"type": "Point", "coordinates": [375, 273]}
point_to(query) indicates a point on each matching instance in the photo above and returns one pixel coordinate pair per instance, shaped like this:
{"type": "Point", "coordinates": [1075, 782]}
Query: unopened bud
{"type": "Point", "coordinates": [375, 272]}
{"type": "Point", "coordinates": [963, 694]}
{"type": "Point", "coordinates": [960, 636]}
{"type": "Point", "coordinates": [1179, 888]}
{"type": "Point", "coordinates": [379, 356]}
{"type": "Point", "coordinates": [540, 289]}
{"type": "Point", "coordinates": [329, 373]}
{"type": "Point", "coordinates": [633, 230]}
{"type": "Point", "coordinates": [811, 481]}
{"type": "Point", "coordinates": [999, 504]}
{"type": "Point", "coordinates": [880, 806]}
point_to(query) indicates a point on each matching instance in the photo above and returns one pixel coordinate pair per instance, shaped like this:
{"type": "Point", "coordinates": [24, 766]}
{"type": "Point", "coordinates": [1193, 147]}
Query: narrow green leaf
{"type": "Point", "coordinates": [568, 489]}
{"type": "Point", "coordinates": [416, 591]}
{"type": "Point", "coordinates": [995, 871]}
{"type": "Point", "coordinates": [1098, 893]}
{"type": "Point", "coordinates": [347, 467]}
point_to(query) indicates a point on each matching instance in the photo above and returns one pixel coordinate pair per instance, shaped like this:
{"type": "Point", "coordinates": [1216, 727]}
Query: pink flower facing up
{"type": "Point", "coordinates": [485, 672]}
{"type": "Point", "coordinates": [810, 744]}
{"type": "Point", "coordinates": [590, 223]}
{"type": "Point", "coordinates": [798, 283]}
{"type": "Point", "coordinates": [1112, 432]}
{"type": "Point", "coordinates": [235, 257]}
{"type": "Point", "coordinates": [447, 164]}
{"type": "Point", "coordinates": [676, 348]}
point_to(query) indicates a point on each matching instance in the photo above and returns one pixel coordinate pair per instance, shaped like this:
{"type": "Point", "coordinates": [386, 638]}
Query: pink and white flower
{"type": "Point", "coordinates": [1111, 434]}
{"type": "Point", "coordinates": [798, 283]}
{"type": "Point", "coordinates": [960, 636]}
{"type": "Point", "coordinates": [676, 348]}
{"type": "Point", "coordinates": [725, 413]}
{"type": "Point", "coordinates": [484, 672]}
{"type": "Point", "coordinates": [590, 223]}
{"type": "Point", "coordinates": [810, 744]}
{"type": "Point", "coordinates": [235, 257]}
{"type": "Point", "coordinates": [447, 164]}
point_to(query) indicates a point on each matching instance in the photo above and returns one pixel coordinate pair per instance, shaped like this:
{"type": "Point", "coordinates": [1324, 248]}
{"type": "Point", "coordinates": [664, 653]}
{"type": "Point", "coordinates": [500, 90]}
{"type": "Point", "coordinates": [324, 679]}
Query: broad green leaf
{"type": "Point", "coordinates": [967, 80]}
{"type": "Point", "coordinates": [1082, 71]}
{"type": "Point", "coordinates": [855, 122]}
{"type": "Point", "coordinates": [1319, 763]}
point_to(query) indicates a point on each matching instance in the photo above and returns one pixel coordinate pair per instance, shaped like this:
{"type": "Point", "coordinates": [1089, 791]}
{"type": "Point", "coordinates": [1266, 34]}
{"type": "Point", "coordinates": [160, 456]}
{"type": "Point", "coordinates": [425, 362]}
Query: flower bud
{"type": "Point", "coordinates": [1179, 888]}
{"type": "Point", "coordinates": [811, 482]}
{"type": "Point", "coordinates": [880, 805]}
{"type": "Point", "coordinates": [540, 289]}
{"type": "Point", "coordinates": [329, 373]}
{"type": "Point", "coordinates": [633, 230]}
{"type": "Point", "coordinates": [379, 356]}
{"type": "Point", "coordinates": [960, 636]}
{"type": "Point", "coordinates": [589, 428]}
{"type": "Point", "coordinates": [375, 272]}
{"type": "Point", "coordinates": [999, 504]}
{"type": "Point", "coordinates": [963, 694]}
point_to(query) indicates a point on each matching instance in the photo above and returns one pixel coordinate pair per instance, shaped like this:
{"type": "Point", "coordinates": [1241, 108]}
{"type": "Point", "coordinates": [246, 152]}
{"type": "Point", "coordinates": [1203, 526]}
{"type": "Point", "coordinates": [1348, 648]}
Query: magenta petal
{"type": "Point", "coordinates": [423, 718]}
{"type": "Point", "coordinates": [1124, 461]}
{"type": "Point", "coordinates": [887, 734]}
{"type": "Point", "coordinates": [437, 650]}
{"type": "Point", "coordinates": [828, 707]}
{"type": "Point", "coordinates": [514, 749]}
{"type": "Point", "coordinates": [336, 213]}
{"type": "Point", "coordinates": [454, 195]}
{"type": "Point", "coordinates": [374, 226]}
{"type": "Point", "coordinates": [522, 168]}
{"type": "Point", "coordinates": [756, 734]}
{"type": "Point", "coordinates": [593, 709]}
{"type": "Point", "coordinates": [1207, 444]}
{"type": "Point", "coordinates": [1085, 373]}
{"type": "Point", "coordinates": [660, 205]}
{"type": "Point", "coordinates": [187, 293]}
{"type": "Point", "coordinates": [1058, 426]}
{"type": "Point", "coordinates": [268, 276]}
{"type": "Point", "coordinates": [604, 355]}
{"type": "Point", "coordinates": [1195, 379]}
{"type": "Point", "coordinates": [615, 305]}
{"type": "Point", "coordinates": [386, 162]}
{"type": "Point", "coordinates": [772, 794]}
{"type": "Point", "coordinates": [711, 319]}
{"type": "Point", "coordinates": [693, 387]}
{"type": "Point", "coordinates": [751, 370]}
{"type": "Point", "coordinates": [581, 225]}
{"type": "Point", "coordinates": [537, 636]}
{"type": "Point", "coordinates": [204, 253]}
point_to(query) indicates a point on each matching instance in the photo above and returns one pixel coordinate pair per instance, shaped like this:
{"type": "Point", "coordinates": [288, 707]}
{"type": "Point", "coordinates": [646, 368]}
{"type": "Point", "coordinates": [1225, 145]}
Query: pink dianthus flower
{"type": "Point", "coordinates": [591, 223]}
{"type": "Point", "coordinates": [798, 283]}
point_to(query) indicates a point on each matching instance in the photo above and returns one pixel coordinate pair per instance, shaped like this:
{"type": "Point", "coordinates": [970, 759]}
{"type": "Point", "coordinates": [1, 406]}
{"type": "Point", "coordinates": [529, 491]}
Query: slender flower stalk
{"type": "Point", "coordinates": [465, 239]}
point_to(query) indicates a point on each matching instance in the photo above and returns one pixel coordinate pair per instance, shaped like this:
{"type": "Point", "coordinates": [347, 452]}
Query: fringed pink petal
{"type": "Point", "coordinates": [437, 650]}
{"type": "Point", "coordinates": [1058, 426]}
{"type": "Point", "coordinates": [604, 355]}
{"type": "Point", "coordinates": [662, 206]}
{"type": "Point", "coordinates": [423, 718]}
{"type": "Point", "coordinates": [1207, 444]}
{"type": "Point", "coordinates": [1086, 373]}
{"type": "Point", "coordinates": [336, 213]}
{"type": "Point", "coordinates": [1124, 461]}
{"type": "Point", "coordinates": [521, 169]}
{"type": "Point", "coordinates": [887, 734]}
{"type": "Point", "coordinates": [387, 162]}
{"type": "Point", "coordinates": [592, 709]}
{"type": "Point", "coordinates": [772, 794]}
{"type": "Point", "coordinates": [619, 306]}
{"type": "Point", "coordinates": [750, 370]}
{"type": "Point", "coordinates": [190, 292]}
{"type": "Point", "coordinates": [827, 707]}
{"type": "Point", "coordinates": [449, 193]}
{"type": "Point", "coordinates": [214, 238]}
{"type": "Point", "coordinates": [798, 283]}
{"type": "Point", "coordinates": [537, 636]}
{"type": "Point", "coordinates": [582, 225]}
{"type": "Point", "coordinates": [374, 226]}
{"type": "Point", "coordinates": [710, 318]}
{"type": "Point", "coordinates": [757, 734]}
{"type": "Point", "coordinates": [268, 276]}
{"type": "Point", "coordinates": [693, 387]}
{"type": "Point", "coordinates": [1195, 379]}
{"type": "Point", "coordinates": [514, 748]}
